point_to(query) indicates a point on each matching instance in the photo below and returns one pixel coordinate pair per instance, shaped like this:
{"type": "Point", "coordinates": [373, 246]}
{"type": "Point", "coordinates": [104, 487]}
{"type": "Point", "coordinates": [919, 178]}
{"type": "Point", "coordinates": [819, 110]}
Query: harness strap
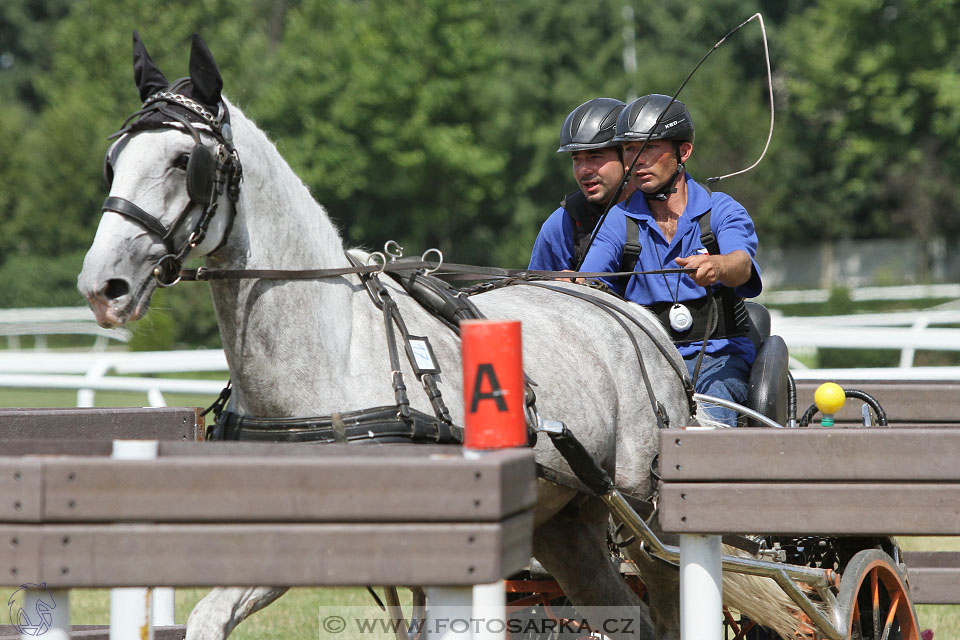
{"type": "Point", "coordinates": [451, 271]}
{"type": "Point", "coordinates": [644, 508]}
{"type": "Point", "coordinates": [392, 317]}
{"type": "Point", "coordinates": [377, 425]}
{"type": "Point", "coordinates": [663, 420]}
{"type": "Point", "coordinates": [631, 249]}
{"type": "Point", "coordinates": [707, 237]}
{"type": "Point", "coordinates": [126, 208]}
{"type": "Point", "coordinates": [439, 298]}
{"type": "Point", "coordinates": [390, 313]}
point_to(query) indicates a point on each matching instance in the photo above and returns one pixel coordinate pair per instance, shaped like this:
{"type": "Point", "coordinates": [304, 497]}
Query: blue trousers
{"type": "Point", "coordinates": [722, 376]}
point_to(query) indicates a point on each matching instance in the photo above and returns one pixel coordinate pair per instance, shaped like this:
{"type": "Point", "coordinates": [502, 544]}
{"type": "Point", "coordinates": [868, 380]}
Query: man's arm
{"type": "Point", "coordinates": [604, 253]}
{"type": "Point", "coordinates": [553, 249]}
{"type": "Point", "coordinates": [731, 269]}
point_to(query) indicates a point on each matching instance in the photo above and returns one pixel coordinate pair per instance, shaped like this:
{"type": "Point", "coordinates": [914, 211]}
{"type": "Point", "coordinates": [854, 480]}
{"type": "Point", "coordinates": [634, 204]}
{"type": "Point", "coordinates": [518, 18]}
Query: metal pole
{"type": "Point", "coordinates": [701, 588]}
{"type": "Point", "coordinates": [449, 614]}
{"type": "Point", "coordinates": [131, 608]}
{"type": "Point", "coordinates": [490, 611]}
{"type": "Point", "coordinates": [164, 607]}
{"type": "Point", "coordinates": [45, 612]}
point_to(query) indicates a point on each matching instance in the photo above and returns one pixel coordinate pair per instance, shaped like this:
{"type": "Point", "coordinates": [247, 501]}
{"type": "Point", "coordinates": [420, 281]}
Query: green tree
{"type": "Point", "coordinates": [874, 91]}
{"type": "Point", "coordinates": [434, 122]}
{"type": "Point", "coordinates": [393, 113]}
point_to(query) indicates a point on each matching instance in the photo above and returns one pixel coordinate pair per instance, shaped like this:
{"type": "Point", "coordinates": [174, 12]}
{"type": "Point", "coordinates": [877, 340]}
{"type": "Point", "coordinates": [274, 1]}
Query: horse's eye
{"type": "Point", "coordinates": [181, 161]}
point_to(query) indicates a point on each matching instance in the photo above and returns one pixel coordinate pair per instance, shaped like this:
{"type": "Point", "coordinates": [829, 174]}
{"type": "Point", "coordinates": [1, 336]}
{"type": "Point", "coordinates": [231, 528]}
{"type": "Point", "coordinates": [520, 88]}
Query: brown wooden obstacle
{"type": "Point", "coordinates": [908, 403]}
{"type": "Point", "coordinates": [843, 481]}
{"type": "Point", "coordinates": [228, 513]}
{"type": "Point", "coordinates": [205, 514]}
{"type": "Point", "coordinates": [99, 425]}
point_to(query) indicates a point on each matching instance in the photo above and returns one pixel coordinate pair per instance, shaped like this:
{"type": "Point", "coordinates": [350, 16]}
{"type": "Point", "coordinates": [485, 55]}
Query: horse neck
{"type": "Point", "coordinates": [282, 225]}
{"type": "Point", "coordinates": [278, 225]}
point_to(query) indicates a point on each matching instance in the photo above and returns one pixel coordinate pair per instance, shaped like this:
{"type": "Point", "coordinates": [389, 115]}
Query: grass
{"type": "Point", "coordinates": [58, 398]}
{"type": "Point", "coordinates": [298, 613]}
{"type": "Point", "coordinates": [295, 616]}
{"type": "Point", "coordinates": [943, 620]}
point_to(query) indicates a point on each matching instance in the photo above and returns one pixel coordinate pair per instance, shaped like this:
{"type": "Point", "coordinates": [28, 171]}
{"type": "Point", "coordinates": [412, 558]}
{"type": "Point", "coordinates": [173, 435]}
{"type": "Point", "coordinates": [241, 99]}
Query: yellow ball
{"type": "Point", "coordinates": [829, 398]}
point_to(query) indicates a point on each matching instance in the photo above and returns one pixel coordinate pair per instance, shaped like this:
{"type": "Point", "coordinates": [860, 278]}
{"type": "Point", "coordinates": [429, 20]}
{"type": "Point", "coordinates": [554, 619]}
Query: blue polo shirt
{"type": "Point", "coordinates": [730, 223]}
{"type": "Point", "coordinates": [553, 249]}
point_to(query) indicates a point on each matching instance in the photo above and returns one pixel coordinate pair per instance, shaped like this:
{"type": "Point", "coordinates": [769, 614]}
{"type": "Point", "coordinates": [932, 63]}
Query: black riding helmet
{"type": "Point", "coordinates": [657, 117]}
{"type": "Point", "coordinates": [637, 121]}
{"type": "Point", "coordinates": [591, 125]}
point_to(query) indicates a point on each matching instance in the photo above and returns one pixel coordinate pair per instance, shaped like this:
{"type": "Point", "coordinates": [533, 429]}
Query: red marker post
{"type": "Point", "coordinates": [493, 394]}
{"type": "Point", "coordinates": [494, 418]}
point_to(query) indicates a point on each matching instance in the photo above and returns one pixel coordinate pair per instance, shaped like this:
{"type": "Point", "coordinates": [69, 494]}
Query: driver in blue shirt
{"type": "Point", "coordinates": [587, 135]}
{"type": "Point", "coordinates": [672, 218]}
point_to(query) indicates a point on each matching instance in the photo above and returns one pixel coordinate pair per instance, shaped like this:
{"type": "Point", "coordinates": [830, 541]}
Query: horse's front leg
{"type": "Point", "coordinates": [221, 610]}
{"type": "Point", "coordinates": [572, 546]}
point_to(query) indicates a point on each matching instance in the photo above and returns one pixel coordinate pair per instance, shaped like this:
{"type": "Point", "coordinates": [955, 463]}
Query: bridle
{"type": "Point", "coordinates": [209, 174]}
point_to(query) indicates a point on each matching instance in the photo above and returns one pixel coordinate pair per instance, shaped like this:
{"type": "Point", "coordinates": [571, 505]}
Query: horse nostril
{"type": "Point", "coordinates": [116, 288]}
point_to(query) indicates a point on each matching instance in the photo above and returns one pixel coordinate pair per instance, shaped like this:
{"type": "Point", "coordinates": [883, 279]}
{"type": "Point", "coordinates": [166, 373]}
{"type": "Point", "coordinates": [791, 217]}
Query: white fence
{"type": "Point", "coordinates": [43, 322]}
{"type": "Point", "coordinates": [859, 294]}
{"type": "Point", "coordinates": [99, 370]}
{"type": "Point", "coordinates": [906, 331]}
{"type": "Point", "coordinates": [88, 372]}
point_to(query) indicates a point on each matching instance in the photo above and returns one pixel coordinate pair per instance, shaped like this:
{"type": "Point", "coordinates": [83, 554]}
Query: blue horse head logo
{"type": "Point", "coordinates": [38, 621]}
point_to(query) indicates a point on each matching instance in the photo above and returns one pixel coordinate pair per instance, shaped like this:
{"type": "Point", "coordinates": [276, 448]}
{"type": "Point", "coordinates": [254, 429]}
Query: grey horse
{"type": "Point", "coordinates": [315, 347]}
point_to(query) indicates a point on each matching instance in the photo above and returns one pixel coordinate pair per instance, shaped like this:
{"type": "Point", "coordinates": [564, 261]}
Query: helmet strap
{"type": "Point", "coordinates": [669, 187]}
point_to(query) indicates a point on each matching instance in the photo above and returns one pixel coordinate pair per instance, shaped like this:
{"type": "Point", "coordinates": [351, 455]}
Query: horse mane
{"type": "Point", "coordinates": [274, 199]}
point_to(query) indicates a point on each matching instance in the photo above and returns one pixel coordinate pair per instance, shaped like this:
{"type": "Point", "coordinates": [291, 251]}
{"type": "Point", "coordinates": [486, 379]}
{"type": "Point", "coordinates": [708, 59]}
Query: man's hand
{"type": "Point", "coordinates": [731, 269]}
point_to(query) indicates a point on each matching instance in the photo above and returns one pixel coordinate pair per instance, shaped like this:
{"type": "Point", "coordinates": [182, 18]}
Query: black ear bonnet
{"type": "Point", "coordinates": [195, 106]}
{"type": "Point", "coordinates": [163, 115]}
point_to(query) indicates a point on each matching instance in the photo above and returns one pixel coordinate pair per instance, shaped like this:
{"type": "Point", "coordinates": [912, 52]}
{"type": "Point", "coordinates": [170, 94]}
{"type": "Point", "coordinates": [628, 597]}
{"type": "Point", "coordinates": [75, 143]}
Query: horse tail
{"type": "Point", "coordinates": [764, 602]}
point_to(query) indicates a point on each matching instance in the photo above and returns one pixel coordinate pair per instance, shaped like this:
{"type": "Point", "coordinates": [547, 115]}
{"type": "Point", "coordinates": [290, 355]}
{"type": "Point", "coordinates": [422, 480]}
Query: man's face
{"type": "Point", "coordinates": [656, 164]}
{"type": "Point", "coordinates": [598, 172]}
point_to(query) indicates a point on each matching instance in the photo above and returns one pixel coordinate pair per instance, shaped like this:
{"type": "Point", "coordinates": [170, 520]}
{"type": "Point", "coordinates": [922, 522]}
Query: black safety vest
{"type": "Point", "coordinates": [730, 318]}
{"type": "Point", "coordinates": [584, 217]}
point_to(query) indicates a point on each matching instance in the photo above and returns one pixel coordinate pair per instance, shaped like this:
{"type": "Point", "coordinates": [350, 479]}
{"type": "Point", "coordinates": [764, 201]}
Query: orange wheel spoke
{"type": "Point", "coordinates": [875, 591]}
{"type": "Point", "coordinates": [891, 616]}
{"type": "Point", "coordinates": [877, 600]}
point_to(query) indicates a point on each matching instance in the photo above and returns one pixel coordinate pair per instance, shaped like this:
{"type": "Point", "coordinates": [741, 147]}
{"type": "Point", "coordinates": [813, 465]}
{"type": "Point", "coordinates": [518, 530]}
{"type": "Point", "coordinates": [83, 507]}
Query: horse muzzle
{"type": "Point", "coordinates": [112, 303]}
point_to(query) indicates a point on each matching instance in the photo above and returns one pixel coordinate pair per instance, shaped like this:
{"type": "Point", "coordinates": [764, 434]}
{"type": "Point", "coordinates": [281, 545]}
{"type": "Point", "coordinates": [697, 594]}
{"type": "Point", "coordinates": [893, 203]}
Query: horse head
{"type": "Point", "coordinates": [173, 176]}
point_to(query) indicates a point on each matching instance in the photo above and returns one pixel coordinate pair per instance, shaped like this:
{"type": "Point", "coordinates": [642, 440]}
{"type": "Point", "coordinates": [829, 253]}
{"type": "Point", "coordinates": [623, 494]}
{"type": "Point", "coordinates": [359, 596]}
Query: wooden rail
{"type": "Point", "coordinates": [829, 481]}
{"type": "Point", "coordinates": [96, 427]}
{"type": "Point", "coordinates": [909, 403]}
{"type": "Point", "coordinates": [207, 514]}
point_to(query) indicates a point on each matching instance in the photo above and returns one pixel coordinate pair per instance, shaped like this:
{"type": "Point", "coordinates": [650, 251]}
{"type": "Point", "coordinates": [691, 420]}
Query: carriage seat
{"type": "Point", "coordinates": [768, 382]}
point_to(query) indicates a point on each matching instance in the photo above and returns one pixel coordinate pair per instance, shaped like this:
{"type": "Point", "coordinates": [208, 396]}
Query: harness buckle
{"type": "Point", "coordinates": [393, 249]}
{"type": "Point", "coordinates": [429, 270]}
{"type": "Point", "coordinates": [167, 271]}
{"type": "Point", "coordinates": [372, 259]}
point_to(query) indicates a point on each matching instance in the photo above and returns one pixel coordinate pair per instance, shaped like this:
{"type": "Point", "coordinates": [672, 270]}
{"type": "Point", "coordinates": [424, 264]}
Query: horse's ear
{"type": "Point", "coordinates": [204, 74]}
{"type": "Point", "coordinates": [148, 77]}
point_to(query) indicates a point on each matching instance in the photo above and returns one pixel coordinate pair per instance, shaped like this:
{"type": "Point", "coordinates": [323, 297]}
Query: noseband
{"type": "Point", "coordinates": [208, 175]}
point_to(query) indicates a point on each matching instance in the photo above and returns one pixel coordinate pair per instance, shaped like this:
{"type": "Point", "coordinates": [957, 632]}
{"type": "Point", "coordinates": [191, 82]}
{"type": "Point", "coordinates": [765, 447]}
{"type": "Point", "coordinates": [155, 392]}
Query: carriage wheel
{"type": "Point", "coordinates": [874, 599]}
{"type": "Point", "coordinates": [405, 629]}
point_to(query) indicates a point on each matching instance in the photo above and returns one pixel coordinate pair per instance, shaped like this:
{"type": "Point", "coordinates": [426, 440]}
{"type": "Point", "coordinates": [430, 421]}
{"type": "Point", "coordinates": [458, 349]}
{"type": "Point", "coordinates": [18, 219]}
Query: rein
{"type": "Point", "coordinates": [453, 270]}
